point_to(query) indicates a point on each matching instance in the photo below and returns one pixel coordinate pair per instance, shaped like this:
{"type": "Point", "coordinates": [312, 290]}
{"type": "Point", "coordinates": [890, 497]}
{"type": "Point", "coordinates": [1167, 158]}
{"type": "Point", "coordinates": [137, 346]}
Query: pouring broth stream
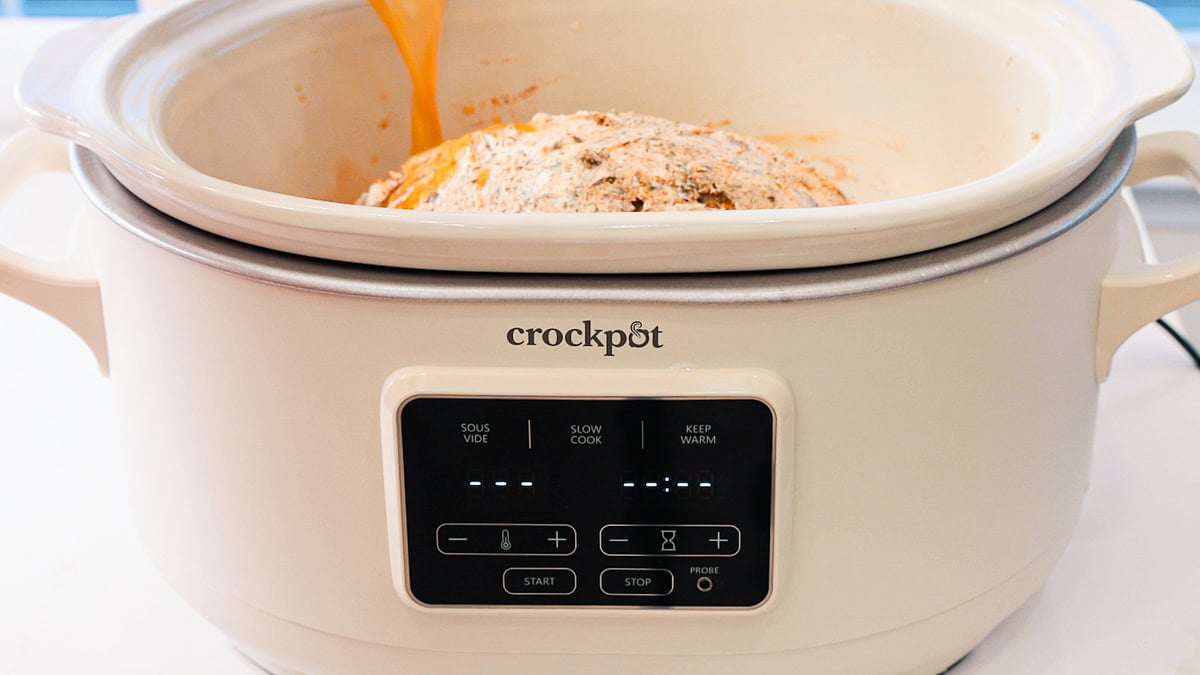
{"type": "Point", "coordinates": [416, 27]}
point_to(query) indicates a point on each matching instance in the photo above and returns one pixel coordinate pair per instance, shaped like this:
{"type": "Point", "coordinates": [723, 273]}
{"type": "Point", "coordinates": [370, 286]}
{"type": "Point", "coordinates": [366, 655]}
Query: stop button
{"type": "Point", "coordinates": [628, 581]}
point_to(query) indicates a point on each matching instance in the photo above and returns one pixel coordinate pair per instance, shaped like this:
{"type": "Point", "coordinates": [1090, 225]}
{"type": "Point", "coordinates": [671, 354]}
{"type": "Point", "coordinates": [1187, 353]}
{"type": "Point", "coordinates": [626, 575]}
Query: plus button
{"type": "Point", "coordinates": [557, 539]}
{"type": "Point", "coordinates": [718, 540]}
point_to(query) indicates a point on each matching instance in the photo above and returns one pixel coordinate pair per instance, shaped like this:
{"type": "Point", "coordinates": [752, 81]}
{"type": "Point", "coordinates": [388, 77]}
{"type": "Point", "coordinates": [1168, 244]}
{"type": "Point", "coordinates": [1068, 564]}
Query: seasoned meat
{"type": "Point", "coordinates": [602, 162]}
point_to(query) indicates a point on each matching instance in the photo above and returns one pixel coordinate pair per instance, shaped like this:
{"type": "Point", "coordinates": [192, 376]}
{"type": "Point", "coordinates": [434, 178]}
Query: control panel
{"type": "Point", "coordinates": [658, 502]}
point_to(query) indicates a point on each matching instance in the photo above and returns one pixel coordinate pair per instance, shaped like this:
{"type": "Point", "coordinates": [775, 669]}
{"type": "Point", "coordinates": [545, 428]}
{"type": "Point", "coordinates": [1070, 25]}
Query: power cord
{"type": "Point", "coordinates": [1183, 342]}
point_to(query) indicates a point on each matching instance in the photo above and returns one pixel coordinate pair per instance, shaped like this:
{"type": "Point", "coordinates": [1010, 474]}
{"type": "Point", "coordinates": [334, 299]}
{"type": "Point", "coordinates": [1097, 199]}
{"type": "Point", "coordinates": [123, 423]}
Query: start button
{"type": "Point", "coordinates": [539, 581]}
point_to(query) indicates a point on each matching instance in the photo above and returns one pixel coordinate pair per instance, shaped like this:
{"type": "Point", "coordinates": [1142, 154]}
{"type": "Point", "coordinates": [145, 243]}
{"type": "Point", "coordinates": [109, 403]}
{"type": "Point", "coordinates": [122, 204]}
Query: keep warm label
{"type": "Point", "coordinates": [698, 434]}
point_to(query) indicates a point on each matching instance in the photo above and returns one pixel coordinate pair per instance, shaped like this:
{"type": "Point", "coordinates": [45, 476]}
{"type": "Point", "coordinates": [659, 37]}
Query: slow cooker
{"type": "Point", "coordinates": [846, 440]}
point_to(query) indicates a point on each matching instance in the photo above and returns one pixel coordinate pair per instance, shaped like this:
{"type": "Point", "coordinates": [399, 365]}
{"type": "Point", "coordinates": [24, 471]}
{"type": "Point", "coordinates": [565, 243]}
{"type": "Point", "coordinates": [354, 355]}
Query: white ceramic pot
{"type": "Point", "coordinates": [931, 415]}
{"type": "Point", "coordinates": [951, 119]}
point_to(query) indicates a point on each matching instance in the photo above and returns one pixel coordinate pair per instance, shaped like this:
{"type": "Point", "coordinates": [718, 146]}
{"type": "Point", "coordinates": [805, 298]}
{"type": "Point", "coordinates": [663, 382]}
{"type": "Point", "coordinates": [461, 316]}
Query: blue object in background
{"type": "Point", "coordinates": [67, 7]}
{"type": "Point", "coordinates": [1183, 13]}
{"type": "Point", "coordinates": [77, 7]}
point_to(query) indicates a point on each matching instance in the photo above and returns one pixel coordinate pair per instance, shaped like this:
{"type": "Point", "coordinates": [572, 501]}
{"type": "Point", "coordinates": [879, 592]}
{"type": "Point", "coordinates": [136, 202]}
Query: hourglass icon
{"type": "Point", "coordinates": [668, 541]}
{"type": "Point", "coordinates": [505, 541]}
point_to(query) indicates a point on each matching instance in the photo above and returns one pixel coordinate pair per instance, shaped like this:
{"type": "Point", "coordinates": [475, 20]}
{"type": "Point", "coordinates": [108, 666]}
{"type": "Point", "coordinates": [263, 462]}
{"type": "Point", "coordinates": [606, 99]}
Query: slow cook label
{"type": "Point", "coordinates": [637, 502]}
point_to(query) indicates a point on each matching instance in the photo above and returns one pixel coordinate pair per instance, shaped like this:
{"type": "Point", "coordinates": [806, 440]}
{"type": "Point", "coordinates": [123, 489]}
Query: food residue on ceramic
{"type": "Point", "coordinates": [831, 167]}
{"type": "Point", "coordinates": [800, 139]}
{"type": "Point", "coordinates": [349, 176]}
{"type": "Point", "coordinates": [504, 60]}
{"type": "Point", "coordinates": [503, 100]}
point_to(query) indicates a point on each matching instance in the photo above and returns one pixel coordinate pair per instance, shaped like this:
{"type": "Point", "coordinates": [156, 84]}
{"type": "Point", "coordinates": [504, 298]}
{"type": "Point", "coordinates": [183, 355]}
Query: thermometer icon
{"type": "Point", "coordinates": [505, 541]}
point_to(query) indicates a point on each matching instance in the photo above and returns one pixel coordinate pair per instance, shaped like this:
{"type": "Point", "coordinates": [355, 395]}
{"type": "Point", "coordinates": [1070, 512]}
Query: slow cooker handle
{"type": "Point", "coordinates": [1135, 292]}
{"type": "Point", "coordinates": [47, 91]}
{"type": "Point", "coordinates": [1159, 62]}
{"type": "Point", "coordinates": [66, 289]}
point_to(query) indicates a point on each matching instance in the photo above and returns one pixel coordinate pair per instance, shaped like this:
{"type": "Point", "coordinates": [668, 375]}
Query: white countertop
{"type": "Point", "coordinates": [78, 596]}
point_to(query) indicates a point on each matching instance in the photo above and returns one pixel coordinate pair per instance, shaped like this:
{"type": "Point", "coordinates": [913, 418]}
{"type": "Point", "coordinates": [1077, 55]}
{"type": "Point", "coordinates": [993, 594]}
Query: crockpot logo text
{"type": "Point", "coordinates": [585, 335]}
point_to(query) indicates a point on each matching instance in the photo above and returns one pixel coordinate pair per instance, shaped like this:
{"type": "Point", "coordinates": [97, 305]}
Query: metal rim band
{"type": "Point", "coordinates": [352, 279]}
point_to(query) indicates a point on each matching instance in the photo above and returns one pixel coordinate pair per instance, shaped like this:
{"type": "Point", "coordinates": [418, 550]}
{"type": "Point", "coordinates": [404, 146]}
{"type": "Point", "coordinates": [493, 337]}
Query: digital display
{"type": "Point", "coordinates": [654, 502]}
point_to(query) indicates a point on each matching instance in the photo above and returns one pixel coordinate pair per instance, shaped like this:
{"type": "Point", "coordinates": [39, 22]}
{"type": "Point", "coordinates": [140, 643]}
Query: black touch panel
{"type": "Point", "coordinates": [623, 502]}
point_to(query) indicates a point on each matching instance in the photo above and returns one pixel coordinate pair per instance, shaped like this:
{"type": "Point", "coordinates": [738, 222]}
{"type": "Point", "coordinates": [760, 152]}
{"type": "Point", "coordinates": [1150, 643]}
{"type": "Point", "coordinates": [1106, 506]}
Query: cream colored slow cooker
{"type": "Point", "coordinates": [846, 440]}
